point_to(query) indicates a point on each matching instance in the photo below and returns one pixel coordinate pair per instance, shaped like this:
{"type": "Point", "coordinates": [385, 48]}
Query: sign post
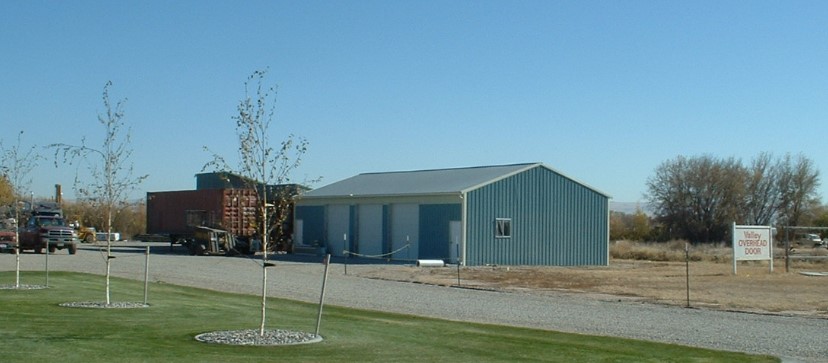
{"type": "Point", "coordinates": [752, 243]}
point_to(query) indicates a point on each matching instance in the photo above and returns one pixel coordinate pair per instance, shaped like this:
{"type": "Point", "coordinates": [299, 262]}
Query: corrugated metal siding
{"type": "Point", "coordinates": [353, 241]}
{"type": "Point", "coordinates": [555, 221]}
{"type": "Point", "coordinates": [220, 181]}
{"type": "Point", "coordinates": [386, 228]}
{"type": "Point", "coordinates": [313, 224]}
{"type": "Point", "coordinates": [434, 229]}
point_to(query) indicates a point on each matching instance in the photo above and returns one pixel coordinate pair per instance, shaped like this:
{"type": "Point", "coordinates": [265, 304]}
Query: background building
{"type": "Point", "coordinates": [522, 214]}
{"type": "Point", "coordinates": [226, 201]}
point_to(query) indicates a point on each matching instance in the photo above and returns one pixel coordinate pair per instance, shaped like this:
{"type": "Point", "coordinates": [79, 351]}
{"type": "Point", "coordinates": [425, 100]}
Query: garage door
{"type": "Point", "coordinates": [370, 229]}
{"type": "Point", "coordinates": [405, 227]}
{"type": "Point", "coordinates": [339, 235]}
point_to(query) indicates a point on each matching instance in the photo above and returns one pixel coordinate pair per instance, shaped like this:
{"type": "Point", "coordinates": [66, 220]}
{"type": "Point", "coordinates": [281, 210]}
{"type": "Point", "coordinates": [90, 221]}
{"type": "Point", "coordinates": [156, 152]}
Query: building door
{"type": "Point", "coordinates": [339, 224]}
{"type": "Point", "coordinates": [435, 232]}
{"type": "Point", "coordinates": [405, 231]}
{"type": "Point", "coordinates": [298, 236]}
{"type": "Point", "coordinates": [370, 230]}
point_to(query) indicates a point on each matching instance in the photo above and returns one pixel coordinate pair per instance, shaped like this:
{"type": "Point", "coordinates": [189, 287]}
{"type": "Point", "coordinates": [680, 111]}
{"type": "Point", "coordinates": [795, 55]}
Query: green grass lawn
{"type": "Point", "coordinates": [34, 328]}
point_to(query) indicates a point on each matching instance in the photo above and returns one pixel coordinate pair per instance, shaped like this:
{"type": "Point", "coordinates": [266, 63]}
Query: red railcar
{"type": "Point", "coordinates": [177, 213]}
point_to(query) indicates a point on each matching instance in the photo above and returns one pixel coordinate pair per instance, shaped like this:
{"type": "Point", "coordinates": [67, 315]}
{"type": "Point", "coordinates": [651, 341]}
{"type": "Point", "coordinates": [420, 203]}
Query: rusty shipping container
{"type": "Point", "coordinates": [177, 213]}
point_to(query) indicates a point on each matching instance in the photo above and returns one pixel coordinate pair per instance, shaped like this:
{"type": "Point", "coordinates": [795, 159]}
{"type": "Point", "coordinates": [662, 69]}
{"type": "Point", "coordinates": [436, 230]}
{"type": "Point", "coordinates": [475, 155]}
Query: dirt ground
{"type": "Point", "coordinates": [802, 291]}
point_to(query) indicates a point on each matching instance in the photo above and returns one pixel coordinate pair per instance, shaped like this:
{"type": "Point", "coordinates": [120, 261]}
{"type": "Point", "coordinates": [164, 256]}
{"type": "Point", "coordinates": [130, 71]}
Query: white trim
{"type": "Point", "coordinates": [464, 206]}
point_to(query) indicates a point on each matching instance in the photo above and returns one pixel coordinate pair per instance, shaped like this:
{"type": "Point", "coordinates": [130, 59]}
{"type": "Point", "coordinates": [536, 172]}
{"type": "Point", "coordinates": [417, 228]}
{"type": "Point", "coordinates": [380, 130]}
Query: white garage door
{"type": "Point", "coordinates": [370, 229]}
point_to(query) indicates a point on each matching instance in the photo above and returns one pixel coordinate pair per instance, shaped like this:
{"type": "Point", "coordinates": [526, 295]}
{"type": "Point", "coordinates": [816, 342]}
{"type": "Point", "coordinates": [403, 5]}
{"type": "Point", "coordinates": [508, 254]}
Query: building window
{"type": "Point", "coordinates": [503, 227]}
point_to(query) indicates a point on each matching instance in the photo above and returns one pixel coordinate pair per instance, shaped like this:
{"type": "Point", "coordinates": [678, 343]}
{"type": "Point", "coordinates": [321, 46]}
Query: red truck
{"type": "Point", "coordinates": [7, 235]}
{"type": "Point", "coordinates": [184, 215]}
{"type": "Point", "coordinates": [48, 231]}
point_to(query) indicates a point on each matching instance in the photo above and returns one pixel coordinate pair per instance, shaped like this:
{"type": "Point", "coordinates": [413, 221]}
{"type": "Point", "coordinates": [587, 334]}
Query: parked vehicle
{"type": "Point", "coordinates": [8, 240]}
{"type": "Point", "coordinates": [85, 234]}
{"type": "Point", "coordinates": [48, 231]}
{"type": "Point", "coordinates": [809, 239]}
{"type": "Point", "coordinates": [47, 209]}
{"type": "Point", "coordinates": [212, 241]}
{"type": "Point", "coordinates": [180, 214]}
{"type": "Point", "coordinates": [114, 236]}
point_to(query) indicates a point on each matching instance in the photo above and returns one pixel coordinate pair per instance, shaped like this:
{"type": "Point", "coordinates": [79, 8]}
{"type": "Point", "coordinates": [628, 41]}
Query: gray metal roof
{"type": "Point", "coordinates": [420, 182]}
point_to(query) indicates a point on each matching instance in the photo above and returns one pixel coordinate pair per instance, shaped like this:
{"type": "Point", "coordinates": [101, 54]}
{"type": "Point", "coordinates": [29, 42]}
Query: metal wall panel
{"type": "Point", "coordinates": [554, 221]}
{"type": "Point", "coordinates": [220, 180]}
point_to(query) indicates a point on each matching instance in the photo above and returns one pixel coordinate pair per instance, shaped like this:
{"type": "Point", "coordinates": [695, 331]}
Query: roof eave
{"type": "Point", "coordinates": [532, 166]}
{"type": "Point", "coordinates": [499, 178]}
{"type": "Point", "coordinates": [355, 196]}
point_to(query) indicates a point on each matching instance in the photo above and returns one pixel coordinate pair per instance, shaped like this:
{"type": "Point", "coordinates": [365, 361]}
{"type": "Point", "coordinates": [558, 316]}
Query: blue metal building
{"type": "Point", "coordinates": [521, 214]}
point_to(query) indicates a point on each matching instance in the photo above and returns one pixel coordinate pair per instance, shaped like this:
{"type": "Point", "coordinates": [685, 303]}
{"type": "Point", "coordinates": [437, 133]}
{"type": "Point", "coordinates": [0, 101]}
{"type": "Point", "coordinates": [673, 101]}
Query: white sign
{"type": "Point", "coordinates": [752, 243]}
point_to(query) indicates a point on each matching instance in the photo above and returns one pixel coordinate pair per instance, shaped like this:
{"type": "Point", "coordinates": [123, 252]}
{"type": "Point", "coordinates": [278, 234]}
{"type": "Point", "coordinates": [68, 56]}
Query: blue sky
{"type": "Point", "coordinates": [602, 91]}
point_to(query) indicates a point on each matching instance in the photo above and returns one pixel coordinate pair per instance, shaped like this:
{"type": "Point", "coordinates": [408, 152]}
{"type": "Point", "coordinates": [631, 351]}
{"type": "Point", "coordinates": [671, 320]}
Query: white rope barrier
{"type": "Point", "coordinates": [346, 252]}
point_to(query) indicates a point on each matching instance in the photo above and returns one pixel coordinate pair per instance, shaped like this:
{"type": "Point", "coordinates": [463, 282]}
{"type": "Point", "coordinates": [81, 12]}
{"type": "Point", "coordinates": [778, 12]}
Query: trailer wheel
{"type": "Point", "coordinates": [196, 249]}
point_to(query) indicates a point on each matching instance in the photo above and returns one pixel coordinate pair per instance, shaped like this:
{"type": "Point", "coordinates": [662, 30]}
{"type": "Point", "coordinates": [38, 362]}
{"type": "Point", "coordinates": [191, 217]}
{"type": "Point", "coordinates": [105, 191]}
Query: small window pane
{"type": "Point", "coordinates": [503, 228]}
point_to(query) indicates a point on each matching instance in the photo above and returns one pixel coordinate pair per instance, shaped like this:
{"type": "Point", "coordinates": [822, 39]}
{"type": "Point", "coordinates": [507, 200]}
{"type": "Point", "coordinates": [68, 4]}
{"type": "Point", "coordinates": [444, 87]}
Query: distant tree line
{"type": "Point", "coordinates": [6, 192]}
{"type": "Point", "coordinates": [128, 219]}
{"type": "Point", "coordinates": [637, 226]}
{"type": "Point", "coordinates": [698, 198]}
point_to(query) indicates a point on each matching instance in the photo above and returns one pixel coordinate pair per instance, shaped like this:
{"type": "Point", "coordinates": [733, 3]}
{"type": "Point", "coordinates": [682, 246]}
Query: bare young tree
{"type": "Point", "coordinates": [267, 167]}
{"type": "Point", "coordinates": [110, 170]}
{"type": "Point", "coordinates": [17, 164]}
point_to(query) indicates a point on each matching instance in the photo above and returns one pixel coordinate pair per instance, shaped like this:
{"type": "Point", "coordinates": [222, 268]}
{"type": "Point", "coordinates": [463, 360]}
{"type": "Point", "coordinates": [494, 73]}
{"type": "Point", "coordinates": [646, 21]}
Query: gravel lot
{"type": "Point", "coordinates": [792, 338]}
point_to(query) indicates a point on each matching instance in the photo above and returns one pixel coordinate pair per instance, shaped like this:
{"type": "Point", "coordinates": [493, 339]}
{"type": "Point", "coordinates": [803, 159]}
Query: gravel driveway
{"type": "Point", "coordinates": [794, 339]}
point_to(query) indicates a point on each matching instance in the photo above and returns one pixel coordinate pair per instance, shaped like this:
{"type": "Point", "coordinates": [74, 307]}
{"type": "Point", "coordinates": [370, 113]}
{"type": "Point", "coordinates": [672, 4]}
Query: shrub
{"type": "Point", "coordinates": [669, 251]}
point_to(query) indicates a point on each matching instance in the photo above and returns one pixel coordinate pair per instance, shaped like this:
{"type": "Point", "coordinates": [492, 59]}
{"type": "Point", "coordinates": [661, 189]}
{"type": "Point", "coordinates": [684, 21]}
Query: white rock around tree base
{"type": "Point", "coordinates": [104, 305]}
{"type": "Point", "coordinates": [252, 337]}
{"type": "Point", "coordinates": [22, 287]}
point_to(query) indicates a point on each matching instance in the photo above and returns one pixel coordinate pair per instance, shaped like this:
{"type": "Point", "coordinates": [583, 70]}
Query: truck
{"type": "Point", "coordinates": [85, 234]}
{"type": "Point", "coordinates": [8, 235]}
{"type": "Point", "coordinates": [809, 239]}
{"type": "Point", "coordinates": [47, 209]}
{"type": "Point", "coordinates": [48, 231]}
{"type": "Point", "coordinates": [196, 218]}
